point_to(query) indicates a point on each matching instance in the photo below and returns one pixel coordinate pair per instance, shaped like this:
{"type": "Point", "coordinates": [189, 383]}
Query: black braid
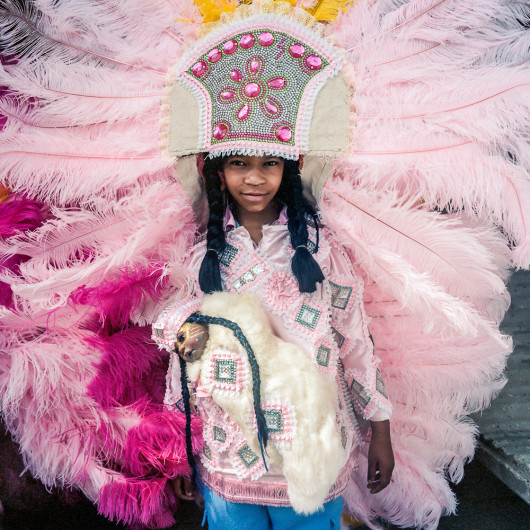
{"type": "Point", "coordinates": [210, 273]}
{"type": "Point", "coordinates": [187, 411]}
{"type": "Point", "coordinates": [263, 435]}
{"type": "Point", "coordinates": [305, 268]}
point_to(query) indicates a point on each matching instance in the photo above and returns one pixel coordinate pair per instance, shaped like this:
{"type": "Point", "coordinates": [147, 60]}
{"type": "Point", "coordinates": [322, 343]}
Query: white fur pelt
{"type": "Point", "coordinates": [312, 461]}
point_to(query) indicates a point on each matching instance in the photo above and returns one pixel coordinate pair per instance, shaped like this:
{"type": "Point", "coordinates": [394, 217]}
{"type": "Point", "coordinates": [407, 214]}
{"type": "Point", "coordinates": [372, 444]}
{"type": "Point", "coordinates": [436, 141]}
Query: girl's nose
{"type": "Point", "coordinates": [254, 176]}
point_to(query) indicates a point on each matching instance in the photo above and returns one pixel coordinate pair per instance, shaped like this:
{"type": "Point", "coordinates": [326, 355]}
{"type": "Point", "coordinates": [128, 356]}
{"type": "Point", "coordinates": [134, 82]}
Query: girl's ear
{"type": "Point", "coordinates": [222, 179]}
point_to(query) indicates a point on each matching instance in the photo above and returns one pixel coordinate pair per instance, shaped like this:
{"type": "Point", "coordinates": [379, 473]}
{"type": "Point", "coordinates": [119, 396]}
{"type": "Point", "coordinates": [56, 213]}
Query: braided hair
{"type": "Point", "coordinates": [299, 210]}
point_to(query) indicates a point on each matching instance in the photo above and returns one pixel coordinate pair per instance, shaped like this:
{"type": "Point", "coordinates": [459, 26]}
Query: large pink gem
{"type": "Point", "coordinates": [296, 50]}
{"type": "Point", "coordinates": [243, 113]}
{"type": "Point", "coordinates": [271, 107]}
{"type": "Point", "coordinates": [277, 83]}
{"type": "Point", "coordinates": [215, 55]}
{"type": "Point", "coordinates": [227, 95]}
{"type": "Point", "coordinates": [199, 68]}
{"type": "Point", "coordinates": [230, 47]}
{"type": "Point", "coordinates": [255, 66]}
{"type": "Point", "coordinates": [236, 75]}
{"type": "Point", "coordinates": [266, 38]}
{"type": "Point", "coordinates": [252, 90]}
{"type": "Point", "coordinates": [220, 131]}
{"type": "Point", "coordinates": [283, 133]}
{"type": "Point", "coordinates": [247, 41]}
{"type": "Point", "coordinates": [313, 62]}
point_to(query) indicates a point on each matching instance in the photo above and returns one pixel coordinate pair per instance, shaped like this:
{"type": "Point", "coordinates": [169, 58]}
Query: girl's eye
{"type": "Point", "coordinates": [236, 163]}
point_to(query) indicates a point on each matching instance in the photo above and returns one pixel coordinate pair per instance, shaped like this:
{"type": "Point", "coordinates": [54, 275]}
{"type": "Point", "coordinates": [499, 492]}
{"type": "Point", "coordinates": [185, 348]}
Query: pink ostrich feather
{"type": "Point", "coordinates": [116, 301]}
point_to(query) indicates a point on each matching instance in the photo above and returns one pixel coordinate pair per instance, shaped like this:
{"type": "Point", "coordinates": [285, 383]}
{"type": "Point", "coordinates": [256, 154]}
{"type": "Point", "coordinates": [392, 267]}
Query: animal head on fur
{"type": "Point", "coordinates": [191, 341]}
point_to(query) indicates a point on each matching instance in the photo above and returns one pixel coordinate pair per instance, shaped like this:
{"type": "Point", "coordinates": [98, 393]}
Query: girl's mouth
{"type": "Point", "coordinates": [254, 196]}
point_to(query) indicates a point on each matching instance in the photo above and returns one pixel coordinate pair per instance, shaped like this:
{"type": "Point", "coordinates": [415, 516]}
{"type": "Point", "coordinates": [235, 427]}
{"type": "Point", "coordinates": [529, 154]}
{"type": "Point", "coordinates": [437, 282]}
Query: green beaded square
{"type": "Point", "coordinates": [274, 420]}
{"type": "Point", "coordinates": [308, 317]}
{"type": "Point", "coordinates": [247, 455]}
{"type": "Point", "coordinates": [323, 356]}
{"type": "Point", "coordinates": [225, 371]}
{"type": "Point", "coordinates": [219, 435]}
{"type": "Point", "coordinates": [207, 452]}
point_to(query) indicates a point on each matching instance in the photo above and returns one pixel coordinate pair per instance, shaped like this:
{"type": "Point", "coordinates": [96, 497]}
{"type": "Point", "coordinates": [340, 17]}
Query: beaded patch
{"type": "Point", "coordinates": [308, 316]}
{"type": "Point", "coordinates": [281, 421]}
{"type": "Point", "coordinates": [360, 393]}
{"type": "Point", "coordinates": [247, 463]}
{"type": "Point", "coordinates": [256, 270]}
{"type": "Point", "coordinates": [341, 339]}
{"type": "Point", "coordinates": [228, 255]}
{"type": "Point", "coordinates": [343, 437]}
{"type": "Point", "coordinates": [325, 355]}
{"type": "Point", "coordinates": [379, 384]}
{"type": "Point", "coordinates": [219, 434]}
{"type": "Point", "coordinates": [226, 370]}
{"type": "Point", "coordinates": [340, 295]}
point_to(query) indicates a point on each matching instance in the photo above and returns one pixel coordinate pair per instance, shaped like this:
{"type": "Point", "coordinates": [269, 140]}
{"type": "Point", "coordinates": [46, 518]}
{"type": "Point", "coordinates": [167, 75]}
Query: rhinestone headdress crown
{"type": "Point", "coordinates": [263, 84]}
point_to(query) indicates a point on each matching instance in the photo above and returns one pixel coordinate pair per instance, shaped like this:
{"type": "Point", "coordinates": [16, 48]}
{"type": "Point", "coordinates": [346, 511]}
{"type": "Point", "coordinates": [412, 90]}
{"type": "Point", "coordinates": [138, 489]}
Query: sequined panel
{"type": "Point", "coordinates": [228, 255]}
{"type": "Point", "coordinates": [340, 295]}
{"type": "Point", "coordinates": [225, 371]}
{"type": "Point", "coordinates": [379, 385]}
{"type": "Point", "coordinates": [247, 456]}
{"type": "Point", "coordinates": [219, 434]}
{"type": "Point", "coordinates": [361, 394]}
{"type": "Point", "coordinates": [339, 338]}
{"type": "Point", "coordinates": [343, 437]}
{"type": "Point", "coordinates": [323, 356]}
{"type": "Point", "coordinates": [248, 277]}
{"type": "Point", "coordinates": [308, 317]}
{"type": "Point", "coordinates": [274, 420]}
{"type": "Point", "coordinates": [159, 333]}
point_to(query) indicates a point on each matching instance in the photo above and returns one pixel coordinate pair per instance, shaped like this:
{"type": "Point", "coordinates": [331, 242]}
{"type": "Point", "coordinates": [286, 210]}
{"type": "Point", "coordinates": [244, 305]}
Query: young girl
{"type": "Point", "coordinates": [258, 216]}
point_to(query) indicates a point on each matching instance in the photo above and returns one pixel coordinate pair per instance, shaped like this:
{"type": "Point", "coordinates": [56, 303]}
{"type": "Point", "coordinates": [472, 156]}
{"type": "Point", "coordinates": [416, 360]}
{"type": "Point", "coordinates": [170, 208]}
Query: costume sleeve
{"type": "Point", "coordinates": [350, 329]}
{"type": "Point", "coordinates": [168, 323]}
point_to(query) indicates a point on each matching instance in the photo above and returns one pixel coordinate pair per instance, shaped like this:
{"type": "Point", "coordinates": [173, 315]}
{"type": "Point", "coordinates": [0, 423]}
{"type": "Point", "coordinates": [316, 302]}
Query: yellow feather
{"type": "Point", "coordinates": [329, 10]}
{"type": "Point", "coordinates": [4, 193]}
{"type": "Point", "coordinates": [212, 9]}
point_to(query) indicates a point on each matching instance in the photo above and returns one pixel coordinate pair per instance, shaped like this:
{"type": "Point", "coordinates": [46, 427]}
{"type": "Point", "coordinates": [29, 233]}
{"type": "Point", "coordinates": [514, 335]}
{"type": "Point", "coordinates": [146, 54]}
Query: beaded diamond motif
{"type": "Point", "coordinates": [255, 271]}
{"type": "Point", "coordinates": [227, 371]}
{"type": "Point", "coordinates": [323, 356]}
{"type": "Point", "coordinates": [280, 419]}
{"type": "Point", "coordinates": [360, 392]}
{"type": "Point", "coordinates": [340, 295]}
{"type": "Point", "coordinates": [308, 317]}
{"type": "Point", "coordinates": [247, 464]}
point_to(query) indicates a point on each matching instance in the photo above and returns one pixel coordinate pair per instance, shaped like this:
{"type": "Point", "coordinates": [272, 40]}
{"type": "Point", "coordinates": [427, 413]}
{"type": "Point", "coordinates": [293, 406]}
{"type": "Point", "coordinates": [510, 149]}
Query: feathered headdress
{"type": "Point", "coordinates": [431, 196]}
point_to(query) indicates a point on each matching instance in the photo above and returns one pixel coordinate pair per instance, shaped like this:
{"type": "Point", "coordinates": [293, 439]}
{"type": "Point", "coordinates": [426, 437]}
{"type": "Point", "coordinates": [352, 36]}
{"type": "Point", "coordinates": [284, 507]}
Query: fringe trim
{"type": "Point", "coordinates": [267, 493]}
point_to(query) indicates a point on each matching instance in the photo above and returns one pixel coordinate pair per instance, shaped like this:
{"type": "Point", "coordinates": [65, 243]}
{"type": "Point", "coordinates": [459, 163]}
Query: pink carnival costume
{"type": "Point", "coordinates": [431, 198]}
{"type": "Point", "coordinates": [327, 325]}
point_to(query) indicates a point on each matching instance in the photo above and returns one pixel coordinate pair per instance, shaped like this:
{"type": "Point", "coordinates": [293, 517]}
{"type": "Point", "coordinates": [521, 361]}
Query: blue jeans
{"type": "Point", "coordinates": [224, 515]}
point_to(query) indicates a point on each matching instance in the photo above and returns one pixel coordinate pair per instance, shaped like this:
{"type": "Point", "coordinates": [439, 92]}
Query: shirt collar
{"type": "Point", "coordinates": [230, 222]}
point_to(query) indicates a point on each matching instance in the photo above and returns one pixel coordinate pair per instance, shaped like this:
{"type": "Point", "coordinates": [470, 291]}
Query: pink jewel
{"type": "Point", "coordinates": [271, 107]}
{"type": "Point", "coordinates": [220, 131]}
{"type": "Point", "coordinates": [255, 65]}
{"type": "Point", "coordinates": [313, 62]}
{"type": "Point", "coordinates": [266, 38]}
{"type": "Point", "coordinates": [199, 68]}
{"type": "Point", "coordinates": [277, 83]}
{"type": "Point", "coordinates": [296, 50]}
{"type": "Point", "coordinates": [227, 95]}
{"type": "Point", "coordinates": [236, 75]}
{"type": "Point", "coordinates": [230, 47]}
{"type": "Point", "coordinates": [247, 41]}
{"type": "Point", "coordinates": [243, 114]}
{"type": "Point", "coordinates": [252, 90]}
{"type": "Point", "coordinates": [215, 55]}
{"type": "Point", "coordinates": [283, 133]}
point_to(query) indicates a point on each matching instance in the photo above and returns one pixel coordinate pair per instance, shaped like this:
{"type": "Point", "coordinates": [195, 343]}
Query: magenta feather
{"type": "Point", "coordinates": [149, 502]}
{"type": "Point", "coordinates": [117, 300]}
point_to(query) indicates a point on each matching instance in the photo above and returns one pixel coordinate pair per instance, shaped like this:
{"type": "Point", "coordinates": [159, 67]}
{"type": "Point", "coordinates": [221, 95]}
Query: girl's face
{"type": "Point", "coordinates": [253, 181]}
